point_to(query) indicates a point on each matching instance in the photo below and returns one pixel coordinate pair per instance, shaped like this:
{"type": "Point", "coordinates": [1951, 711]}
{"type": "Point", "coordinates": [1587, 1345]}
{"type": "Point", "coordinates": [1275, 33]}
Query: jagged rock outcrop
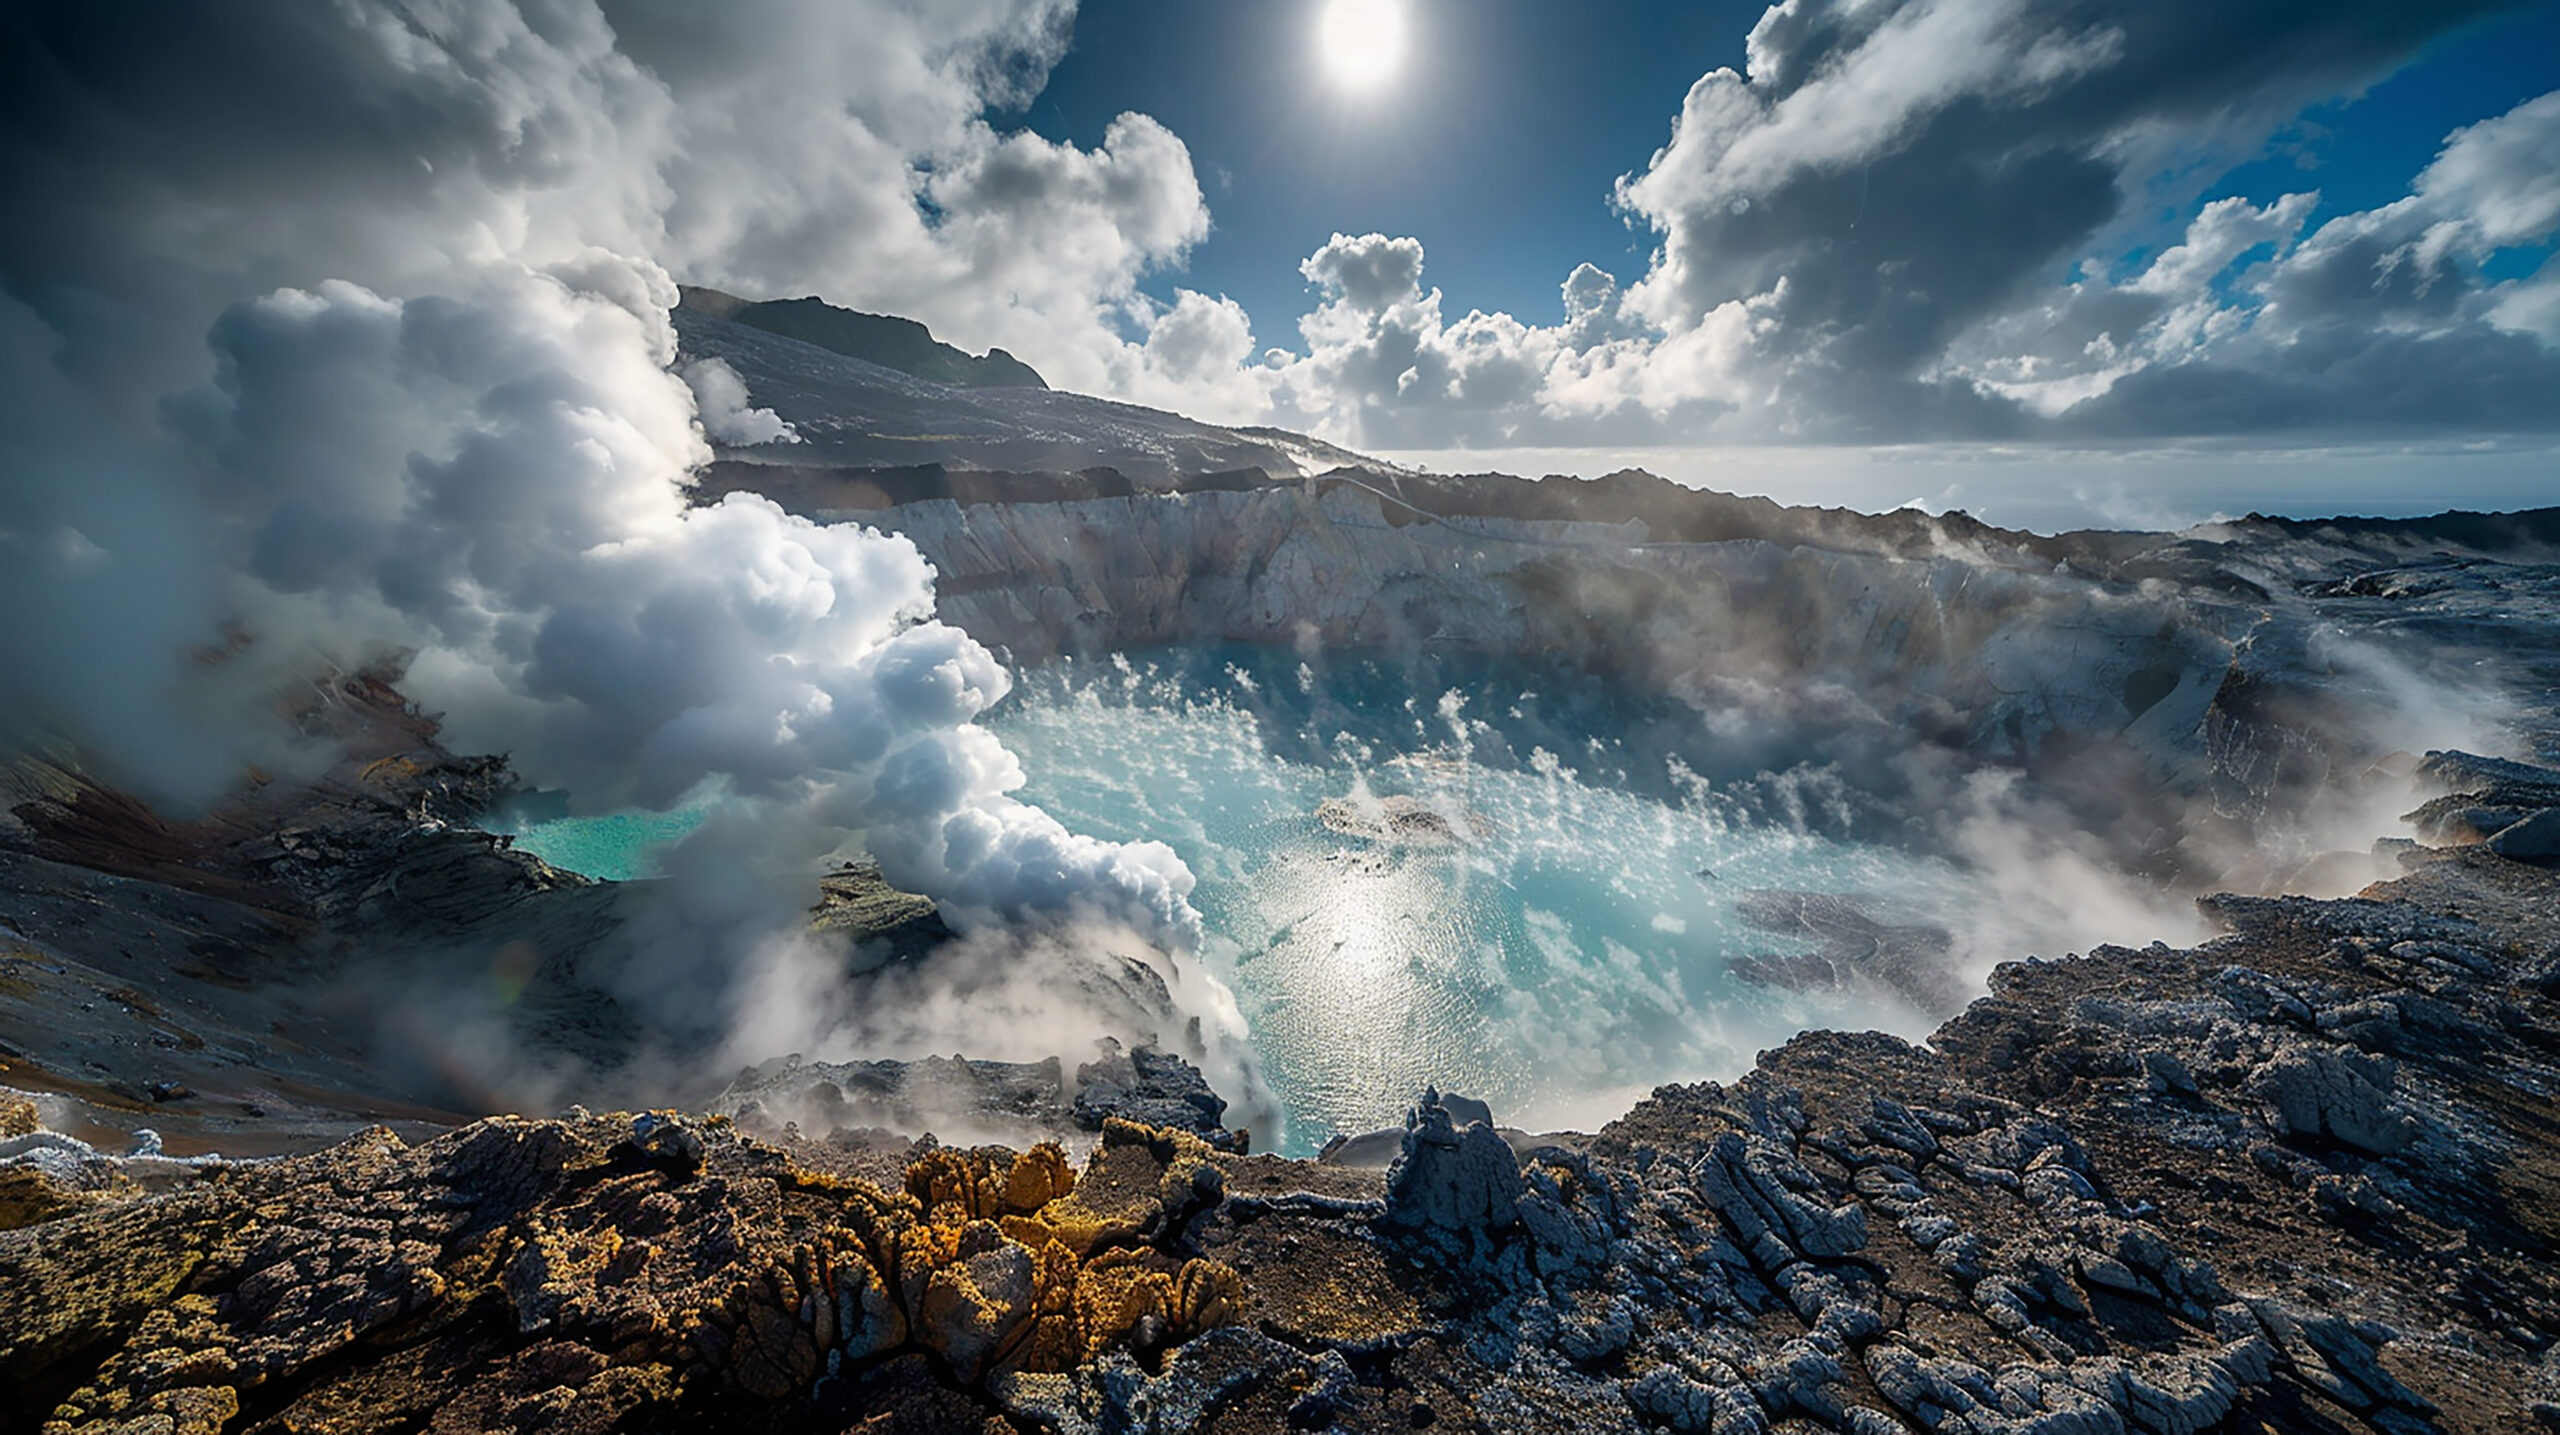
{"type": "Point", "coordinates": [2534, 837]}
{"type": "Point", "coordinates": [883, 339]}
{"type": "Point", "coordinates": [2299, 1178]}
{"type": "Point", "coordinates": [2315, 1093]}
{"type": "Point", "coordinates": [1152, 1088]}
{"type": "Point", "coordinates": [921, 403]}
{"type": "Point", "coordinates": [607, 1272]}
{"type": "Point", "coordinates": [2511, 807]}
{"type": "Point", "coordinates": [886, 1103]}
{"type": "Point", "coordinates": [1456, 1188]}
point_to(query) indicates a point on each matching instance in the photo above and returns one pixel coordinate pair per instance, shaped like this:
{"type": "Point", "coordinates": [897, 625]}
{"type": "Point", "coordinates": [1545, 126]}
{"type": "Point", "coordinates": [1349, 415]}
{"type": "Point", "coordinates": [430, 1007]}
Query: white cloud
{"type": "Point", "coordinates": [1384, 366]}
{"type": "Point", "coordinates": [1197, 358]}
{"type": "Point", "coordinates": [373, 326]}
{"type": "Point", "coordinates": [2531, 305]}
{"type": "Point", "coordinates": [2376, 318]}
{"type": "Point", "coordinates": [844, 149]}
{"type": "Point", "coordinates": [2501, 177]}
{"type": "Point", "coordinates": [1866, 236]}
{"type": "Point", "coordinates": [2075, 343]}
{"type": "Point", "coordinates": [498, 481]}
{"type": "Point", "coordinates": [775, 148]}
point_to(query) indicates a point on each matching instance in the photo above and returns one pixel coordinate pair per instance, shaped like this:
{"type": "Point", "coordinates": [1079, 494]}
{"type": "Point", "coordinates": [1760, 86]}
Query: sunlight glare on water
{"type": "Point", "coordinates": [1392, 909]}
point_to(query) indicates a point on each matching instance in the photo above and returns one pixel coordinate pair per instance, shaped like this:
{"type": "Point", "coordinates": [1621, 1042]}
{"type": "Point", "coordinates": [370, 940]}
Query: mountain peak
{"type": "Point", "coordinates": [883, 339]}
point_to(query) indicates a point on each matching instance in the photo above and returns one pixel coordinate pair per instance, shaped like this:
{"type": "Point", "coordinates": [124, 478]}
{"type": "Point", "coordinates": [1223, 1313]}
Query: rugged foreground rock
{"type": "Point", "coordinates": [867, 1103]}
{"type": "Point", "coordinates": [2303, 1177]}
{"type": "Point", "coordinates": [602, 1273]}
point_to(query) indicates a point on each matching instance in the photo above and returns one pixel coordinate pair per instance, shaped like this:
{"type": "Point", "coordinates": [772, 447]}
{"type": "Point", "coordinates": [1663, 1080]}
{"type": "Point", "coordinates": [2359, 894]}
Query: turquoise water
{"type": "Point", "coordinates": [612, 847]}
{"type": "Point", "coordinates": [1445, 875]}
{"type": "Point", "coordinates": [1551, 937]}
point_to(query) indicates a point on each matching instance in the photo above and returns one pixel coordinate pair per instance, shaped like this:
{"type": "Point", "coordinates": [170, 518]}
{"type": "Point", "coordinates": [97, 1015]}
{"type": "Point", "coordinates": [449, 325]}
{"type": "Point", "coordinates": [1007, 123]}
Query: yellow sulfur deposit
{"type": "Point", "coordinates": [526, 1269]}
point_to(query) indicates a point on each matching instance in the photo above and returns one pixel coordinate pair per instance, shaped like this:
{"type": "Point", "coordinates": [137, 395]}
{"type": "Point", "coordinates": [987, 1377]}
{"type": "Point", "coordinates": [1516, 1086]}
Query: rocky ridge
{"type": "Point", "coordinates": [2300, 1177]}
{"type": "Point", "coordinates": [875, 1104]}
{"type": "Point", "coordinates": [849, 410]}
{"type": "Point", "coordinates": [2187, 696]}
{"type": "Point", "coordinates": [886, 340]}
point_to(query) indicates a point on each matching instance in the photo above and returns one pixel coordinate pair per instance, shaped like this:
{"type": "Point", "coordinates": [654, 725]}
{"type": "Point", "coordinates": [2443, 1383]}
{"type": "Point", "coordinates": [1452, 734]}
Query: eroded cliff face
{"type": "Point", "coordinates": [2190, 701]}
{"type": "Point", "coordinates": [1963, 647]}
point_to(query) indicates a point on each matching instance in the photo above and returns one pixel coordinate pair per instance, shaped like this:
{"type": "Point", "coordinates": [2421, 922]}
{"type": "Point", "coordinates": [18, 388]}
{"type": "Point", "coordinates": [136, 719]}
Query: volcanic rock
{"type": "Point", "coordinates": [963, 1099]}
{"type": "Point", "coordinates": [2301, 1176]}
{"type": "Point", "coordinates": [1395, 820]}
{"type": "Point", "coordinates": [1454, 1187]}
{"type": "Point", "coordinates": [2319, 1094]}
{"type": "Point", "coordinates": [2154, 1190]}
{"type": "Point", "coordinates": [1152, 1088]}
{"type": "Point", "coordinates": [2534, 839]}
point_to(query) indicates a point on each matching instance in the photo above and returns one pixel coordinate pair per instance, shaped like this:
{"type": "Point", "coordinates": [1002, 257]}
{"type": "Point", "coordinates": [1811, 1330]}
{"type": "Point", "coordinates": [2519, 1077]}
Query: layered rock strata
{"type": "Point", "coordinates": [2181, 697]}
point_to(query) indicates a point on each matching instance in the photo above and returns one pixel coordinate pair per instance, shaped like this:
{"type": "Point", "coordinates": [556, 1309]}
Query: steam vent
{"type": "Point", "coordinates": [1123, 717]}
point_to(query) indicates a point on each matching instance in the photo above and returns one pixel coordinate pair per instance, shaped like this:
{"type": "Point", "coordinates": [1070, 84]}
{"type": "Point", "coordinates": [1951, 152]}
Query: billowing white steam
{"type": "Point", "coordinates": [727, 415]}
{"type": "Point", "coordinates": [499, 481]}
{"type": "Point", "coordinates": [422, 246]}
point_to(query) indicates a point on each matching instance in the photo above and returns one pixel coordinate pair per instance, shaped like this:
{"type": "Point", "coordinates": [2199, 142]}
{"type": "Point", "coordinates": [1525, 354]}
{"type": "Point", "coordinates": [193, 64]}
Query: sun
{"type": "Point", "coordinates": [1361, 42]}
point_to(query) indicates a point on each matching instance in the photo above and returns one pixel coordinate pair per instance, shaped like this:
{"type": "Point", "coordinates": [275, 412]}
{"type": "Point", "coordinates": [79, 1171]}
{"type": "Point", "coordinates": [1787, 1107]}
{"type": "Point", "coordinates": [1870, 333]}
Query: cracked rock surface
{"type": "Point", "coordinates": [2302, 1177]}
{"type": "Point", "coordinates": [608, 1272]}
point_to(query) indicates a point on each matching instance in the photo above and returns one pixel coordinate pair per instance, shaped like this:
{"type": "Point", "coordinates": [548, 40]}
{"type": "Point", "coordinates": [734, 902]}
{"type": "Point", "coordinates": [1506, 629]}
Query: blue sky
{"type": "Point", "coordinates": [2361, 149]}
{"type": "Point", "coordinates": [1500, 147]}
{"type": "Point", "coordinates": [1498, 152]}
{"type": "Point", "coordinates": [2038, 234]}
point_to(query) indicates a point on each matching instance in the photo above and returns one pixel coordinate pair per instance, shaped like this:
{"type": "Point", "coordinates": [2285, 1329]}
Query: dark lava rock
{"type": "Point", "coordinates": [1152, 1088]}
{"type": "Point", "coordinates": [1455, 1187]}
{"type": "Point", "coordinates": [2301, 1177]}
{"type": "Point", "coordinates": [2489, 798]}
{"type": "Point", "coordinates": [967, 1100]}
{"type": "Point", "coordinates": [2535, 839]}
{"type": "Point", "coordinates": [857, 902]}
{"type": "Point", "coordinates": [2467, 771]}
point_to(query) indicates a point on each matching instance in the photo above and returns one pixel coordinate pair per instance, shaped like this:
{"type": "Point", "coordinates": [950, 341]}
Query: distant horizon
{"type": "Point", "coordinates": [2162, 486]}
{"type": "Point", "coordinates": [2161, 490]}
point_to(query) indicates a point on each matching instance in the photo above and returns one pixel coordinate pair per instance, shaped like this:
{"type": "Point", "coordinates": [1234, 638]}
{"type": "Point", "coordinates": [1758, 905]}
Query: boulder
{"type": "Point", "coordinates": [2325, 1095]}
{"type": "Point", "coordinates": [1773, 1204]}
{"type": "Point", "coordinates": [2535, 839]}
{"type": "Point", "coordinates": [1454, 1187]}
{"type": "Point", "coordinates": [1152, 1088]}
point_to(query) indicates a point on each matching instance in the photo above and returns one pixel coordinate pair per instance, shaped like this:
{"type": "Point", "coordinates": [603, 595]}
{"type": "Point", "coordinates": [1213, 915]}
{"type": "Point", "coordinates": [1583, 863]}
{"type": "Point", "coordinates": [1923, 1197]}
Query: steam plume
{"type": "Point", "coordinates": [350, 322]}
